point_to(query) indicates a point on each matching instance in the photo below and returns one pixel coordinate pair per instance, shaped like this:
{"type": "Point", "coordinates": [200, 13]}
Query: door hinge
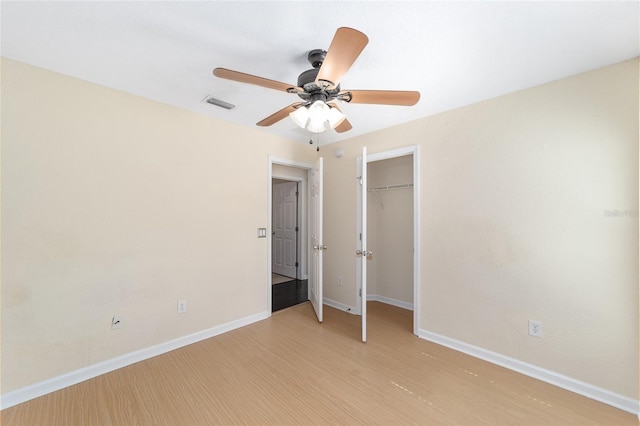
{"type": "Point", "coordinates": [297, 194]}
{"type": "Point", "coordinates": [296, 229]}
{"type": "Point", "coordinates": [361, 236]}
{"type": "Point", "coordinates": [296, 264]}
{"type": "Point", "coordinates": [360, 292]}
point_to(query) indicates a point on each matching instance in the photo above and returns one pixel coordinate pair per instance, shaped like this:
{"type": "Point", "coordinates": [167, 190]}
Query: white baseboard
{"type": "Point", "coordinates": [26, 393]}
{"type": "Point", "coordinates": [38, 389]}
{"type": "Point", "coordinates": [370, 297]}
{"type": "Point", "coordinates": [390, 301]}
{"type": "Point", "coordinates": [340, 306]}
{"type": "Point", "coordinates": [590, 391]}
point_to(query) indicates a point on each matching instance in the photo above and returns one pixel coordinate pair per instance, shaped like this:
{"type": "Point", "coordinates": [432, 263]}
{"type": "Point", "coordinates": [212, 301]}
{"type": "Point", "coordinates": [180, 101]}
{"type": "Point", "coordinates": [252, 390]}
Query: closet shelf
{"type": "Point", "coordinates": [390, 187]}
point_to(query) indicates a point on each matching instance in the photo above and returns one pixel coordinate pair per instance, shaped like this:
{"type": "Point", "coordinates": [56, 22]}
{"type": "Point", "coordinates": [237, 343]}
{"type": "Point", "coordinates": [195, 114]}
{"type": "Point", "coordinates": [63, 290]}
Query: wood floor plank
{"type": "Point", "coordinates": [289, 369]}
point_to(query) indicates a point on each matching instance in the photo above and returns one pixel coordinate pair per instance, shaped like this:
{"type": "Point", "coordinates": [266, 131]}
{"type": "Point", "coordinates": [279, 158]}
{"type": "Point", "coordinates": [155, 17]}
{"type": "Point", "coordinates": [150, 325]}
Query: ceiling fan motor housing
{"type": "Point", "coordinates": [307, 80]}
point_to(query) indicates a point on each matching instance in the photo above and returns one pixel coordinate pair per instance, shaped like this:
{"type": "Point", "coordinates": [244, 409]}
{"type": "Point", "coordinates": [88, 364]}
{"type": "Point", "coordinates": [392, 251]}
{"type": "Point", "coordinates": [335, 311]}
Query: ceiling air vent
{"type": "Point", "coordinates": [217, 102]}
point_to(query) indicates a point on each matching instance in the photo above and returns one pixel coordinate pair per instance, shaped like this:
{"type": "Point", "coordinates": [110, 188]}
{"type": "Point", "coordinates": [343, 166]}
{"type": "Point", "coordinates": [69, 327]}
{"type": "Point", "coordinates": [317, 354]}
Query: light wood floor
{"type": "Point", "coordinates": [291, 370]}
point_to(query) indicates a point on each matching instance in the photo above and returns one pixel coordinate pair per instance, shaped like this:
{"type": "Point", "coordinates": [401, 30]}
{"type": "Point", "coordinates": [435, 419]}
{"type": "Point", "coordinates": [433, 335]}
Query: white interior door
{"type": "Point", "coordinates": [362, 252]}
{"type": "Point", "coordinates": [284, 235]}
{"type": "Point", "coordinates": [317, 246]}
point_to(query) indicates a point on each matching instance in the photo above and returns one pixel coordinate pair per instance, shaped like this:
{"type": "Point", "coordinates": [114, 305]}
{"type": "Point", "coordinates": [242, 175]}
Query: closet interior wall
{"type": "Point", "coordinates": [390, 231]}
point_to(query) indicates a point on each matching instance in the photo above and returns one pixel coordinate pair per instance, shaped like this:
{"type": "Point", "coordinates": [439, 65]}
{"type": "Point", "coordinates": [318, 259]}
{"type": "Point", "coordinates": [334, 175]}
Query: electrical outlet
{"type": "Point", "coordinates": [182, 306]}
{"type": "Point", "coordinates": [116, 322]}
{"type": "Point", "coordinates": [535, 328]}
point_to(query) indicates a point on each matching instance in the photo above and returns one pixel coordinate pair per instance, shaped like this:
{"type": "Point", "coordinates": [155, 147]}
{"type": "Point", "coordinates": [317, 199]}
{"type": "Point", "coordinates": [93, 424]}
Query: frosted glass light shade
{"type": "Point", "coordinates": [335, 117]}
{"type": "Point", "coordinates": [318, 117]}
{"type": "Point", "coordinates": [300, 116]}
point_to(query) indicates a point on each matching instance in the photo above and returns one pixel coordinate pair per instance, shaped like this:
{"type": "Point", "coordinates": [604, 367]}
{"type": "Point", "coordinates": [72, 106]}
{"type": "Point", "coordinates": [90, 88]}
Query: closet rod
{"type": "Point", "coordinates": [389, 187]}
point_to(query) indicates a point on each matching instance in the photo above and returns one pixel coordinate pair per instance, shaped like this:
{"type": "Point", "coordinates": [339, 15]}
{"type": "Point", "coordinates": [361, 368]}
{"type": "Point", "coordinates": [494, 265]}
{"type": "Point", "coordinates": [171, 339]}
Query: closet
{"type": "Point", "coordinates": [390, 231]}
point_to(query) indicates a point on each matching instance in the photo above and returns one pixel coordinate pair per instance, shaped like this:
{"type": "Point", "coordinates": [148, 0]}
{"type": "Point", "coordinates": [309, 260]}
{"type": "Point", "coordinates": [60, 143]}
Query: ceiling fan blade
{"type": "Point", "coordinates": [346, 46]}
{"type": "Point", "coordinates": [279, 115]}
{"type": "Point", "coordinates": [383, 97]}
{"type": "Point", "coordinates": [345, 125]}
{"type": "Point", "coordinates": [251, 79]}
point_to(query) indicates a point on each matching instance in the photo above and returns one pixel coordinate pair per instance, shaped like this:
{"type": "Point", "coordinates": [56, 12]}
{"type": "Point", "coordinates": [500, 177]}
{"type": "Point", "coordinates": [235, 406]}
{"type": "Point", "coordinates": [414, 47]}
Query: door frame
{"type": "Point", "coordinates": [413, 150]}
{"type": "Point", "coordinates": [304, 225]}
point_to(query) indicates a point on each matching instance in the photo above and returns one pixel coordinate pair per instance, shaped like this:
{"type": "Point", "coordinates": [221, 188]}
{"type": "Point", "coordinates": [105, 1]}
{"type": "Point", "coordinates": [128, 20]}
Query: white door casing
{"type": "Point", "coordinates": [361, 226]}
{"type": "Point", "coordinates": [363, 252]}
{"type": "Point", "coordinates": [317, 245]}
{"type": "Point", "coordinates": [300, 172]}
{"type": "Point", "coordinates": [284, 229]}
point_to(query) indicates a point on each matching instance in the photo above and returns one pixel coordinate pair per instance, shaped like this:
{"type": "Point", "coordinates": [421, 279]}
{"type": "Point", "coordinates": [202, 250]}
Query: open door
{"type": "Point", "coordinates": [362, 252]}
{"type": "Point", "coordinates": [317, 246]}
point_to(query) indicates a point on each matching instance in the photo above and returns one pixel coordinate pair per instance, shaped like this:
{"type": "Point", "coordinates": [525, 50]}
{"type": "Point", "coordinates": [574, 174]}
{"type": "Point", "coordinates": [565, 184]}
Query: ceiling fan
{"type": "Point", "coordinates": [319, 87]}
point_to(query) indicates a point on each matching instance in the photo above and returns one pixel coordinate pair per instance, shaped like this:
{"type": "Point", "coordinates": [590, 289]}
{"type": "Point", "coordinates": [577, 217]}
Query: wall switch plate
{"type": "Point", "coordinates": [535, 328]}
{"type": "Point", "coordinates": [182, 306]}
{"type": "Point", "coordinates": [262, 232]}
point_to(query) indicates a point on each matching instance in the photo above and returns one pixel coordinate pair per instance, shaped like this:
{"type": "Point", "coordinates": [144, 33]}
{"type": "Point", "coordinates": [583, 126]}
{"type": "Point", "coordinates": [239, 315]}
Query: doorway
{"type": "Point", "coordinates": [390, 231]}
{"type": "Point", "coordinates": [288, 288]}
{"type": "Point", "coordinates": [388, 206]}
{"type": "Point", "coordinates": [306, 282]}
{"type": "Point", "coordinates": [284, 230]}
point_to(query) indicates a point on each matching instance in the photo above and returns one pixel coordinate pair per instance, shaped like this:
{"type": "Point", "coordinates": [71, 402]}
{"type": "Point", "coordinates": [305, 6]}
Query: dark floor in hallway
{"type": "Point", "coordinates": [288, 294]}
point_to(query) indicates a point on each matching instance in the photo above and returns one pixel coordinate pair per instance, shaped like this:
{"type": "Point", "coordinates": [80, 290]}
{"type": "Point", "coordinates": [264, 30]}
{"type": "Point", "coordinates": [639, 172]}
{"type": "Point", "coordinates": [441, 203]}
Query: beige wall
{"type": "Point", "coordinates": [114, 204]}
{"type": "Point", "coordinates": [390, 230]}
{"type": "Point", "coordinates": [514, 226]}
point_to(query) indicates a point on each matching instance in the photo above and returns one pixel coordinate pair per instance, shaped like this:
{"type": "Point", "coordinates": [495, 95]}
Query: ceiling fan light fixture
{"type": "Point", "coordinates": [318, 117]}
{"type": "Point", "coordinates": [300, 116]}
{"type": "Point", "coordinates": [317, 126]}
{"type": "Point", "coordinates": [335, 117]}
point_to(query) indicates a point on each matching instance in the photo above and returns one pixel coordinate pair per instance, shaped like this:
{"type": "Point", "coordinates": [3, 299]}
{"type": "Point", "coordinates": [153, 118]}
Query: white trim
{"type": "Point", "coordinates": [27, 393]}
{"type": "Point", "coordinates": [416, 238]}
{"type": "Point", "coordinates": [590, 391]}
{"type": "Point", "coordinates": [413, 150]}
{"type": "Point", "coordinates": [358, 245]}
{"type": "Point", "coordinates": [390, 301]}
{"type": "Point", "coordinates": [291, 163]}
{"type": "Point", "coordinates": [392, 153]}
{"type": "Point", "coordinates": [269, 278]}
{"type": "Point", "coordinates": [340, 306]}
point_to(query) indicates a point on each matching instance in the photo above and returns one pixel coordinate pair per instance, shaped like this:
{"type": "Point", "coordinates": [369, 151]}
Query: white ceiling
{"type": "Point", "coordinates": [454, 53]}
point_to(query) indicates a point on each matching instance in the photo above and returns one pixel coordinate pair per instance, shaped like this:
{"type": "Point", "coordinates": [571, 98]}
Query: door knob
{"type": "Point", "coordinates": [365, 253]}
